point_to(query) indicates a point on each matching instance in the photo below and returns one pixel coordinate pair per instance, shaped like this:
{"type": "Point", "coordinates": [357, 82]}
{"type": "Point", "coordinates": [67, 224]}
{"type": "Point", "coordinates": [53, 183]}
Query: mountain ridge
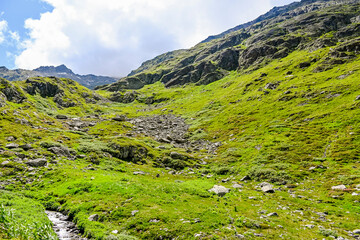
{"type": "Point", "coordinates": [245, 47]}
{"type": "Point", "coordinates": [89, 80]}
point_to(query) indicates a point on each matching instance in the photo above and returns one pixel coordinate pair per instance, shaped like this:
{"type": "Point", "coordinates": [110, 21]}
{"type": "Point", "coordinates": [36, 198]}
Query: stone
{"type": "Point", "coordinates": [40, 162]}
{"type": "Point", "coordinates": [61, 117]}
{"type": "Point", "coordinates": [94, 218]}
{"type": "Point", "coordinates": [237, 185]}
{"type": "Point", "coordinates": [356, 231]}
{"type": "Point", "coordinates": [139, 173]}
{"type": "Point", "coordinates": [274, 214]}
{"type": "Point", "coordinates": [119, 118]}
{"type": "Point", "coordinates": [219, 190]}
{"type": "Point", "coordinates": [115, 232]}
{"type": "Point", "coordinates": [12, 145]}
{"type": "Point", "coordinates": [26, 147]}
{"type": "Point", "coordinates": [245, 178]}
{"type": "Point", "coordinates": [357, 186]}
{"type": "Point", "coordinates": [11, 139]}
{"type": "Point", "coordinates": [339, 187]}
{"type": "Point", "coordinates": [267, 187]}
{"type": "Point", "coordinates": [60, 151]}
{"type": "Point", "coordinates": [175, 155]}
{"type": "Point", "coordinates": [5, 163]}
{"type": "Point", "coordinates": [134, 212]}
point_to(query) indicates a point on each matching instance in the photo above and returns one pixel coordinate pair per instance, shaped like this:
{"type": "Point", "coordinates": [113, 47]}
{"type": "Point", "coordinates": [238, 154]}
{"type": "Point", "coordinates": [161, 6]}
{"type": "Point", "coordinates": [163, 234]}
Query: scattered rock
{"type": "Point", "coordinates": [237, 185]}
{"type": "Point", "coordinates": [267, 187]}
{"type": "Point", "coordinates": [154, 220]}
{"type": "Point", "coordinates": [12, 145]}
{"type": "Point", "coordinates": [274, 214]}
{"type": "Point", "coordinates": [119, 118]}
{"type": "Point", "coordinates": [134, 212]}
{"type": "Point", "coordinates": [26, 147]}
{"type": "Point", "coordinates": [339, 187]}
{"type": "Point", "coordinates": [139, 173]}
{"type": "Point", "coordinates": [94, 218]}
{"type": "Point", "coordinates": [245, 178]}
{"type": "Point", "coordinates": [61, 117]}
{"type": "Point", "coordinates": [219, 190]}
{"type": "Point", "coordinates": [40, 162]}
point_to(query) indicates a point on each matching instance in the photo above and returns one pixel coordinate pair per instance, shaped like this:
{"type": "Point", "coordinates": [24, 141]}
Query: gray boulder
{"type": "Point", "coordinates": [219, 190]}
{"type": "Point", "coordinates": [267, 187]}
{"type": "Point", "coordinates": [339, 187]}
{"type": "Point", "coordinates": [94, 217]}
{"type": "Point", "coordinates": [12, 145]}
{"type": "Point", "coordinates": [40, 162]}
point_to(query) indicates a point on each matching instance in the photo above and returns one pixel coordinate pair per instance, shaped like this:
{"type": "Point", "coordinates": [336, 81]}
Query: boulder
{"type": "Point", "coordinates": [62, 117]}
{"type": "Point", "coordinates": [219, 190]}
{"type": "Point", "coordinates": [266, 187]}
{"type": "Point", "coordinates": [12, 145]}
{"type": "Point", "coordinates": [40, 162]}
{"type": "Point", "coordinates": [26, 146]}
{"type": "Point", "coordinates": [339, 187]}
{"type": "Point", "coordinates": [94, 218]}
{"type": "Point", "coordinates": [119, 118]}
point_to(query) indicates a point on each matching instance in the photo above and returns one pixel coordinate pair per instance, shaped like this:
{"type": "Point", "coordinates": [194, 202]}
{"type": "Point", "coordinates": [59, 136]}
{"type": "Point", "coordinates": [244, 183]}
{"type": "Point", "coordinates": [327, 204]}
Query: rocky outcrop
{"type": "Point", "coordinates": [10, 92]}
{"type": "Point", "coordinates": [45, 89]}
{"type": "Point", "coordinates": [301, 25]}
{"type": "Point", "coordinates": [130, 153]}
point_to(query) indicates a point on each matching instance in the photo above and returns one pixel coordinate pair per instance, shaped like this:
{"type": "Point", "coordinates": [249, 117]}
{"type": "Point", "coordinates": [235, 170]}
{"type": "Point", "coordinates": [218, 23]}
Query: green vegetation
{"type": "Point", "coordinates": [142, 169]}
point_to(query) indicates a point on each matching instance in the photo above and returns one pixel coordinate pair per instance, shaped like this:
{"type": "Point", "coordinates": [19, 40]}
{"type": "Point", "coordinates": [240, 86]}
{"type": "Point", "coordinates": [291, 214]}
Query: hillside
{"type": "Point", "coordinates": [90, 81]}
{"type": "Point", "coordinates": [253, 134]}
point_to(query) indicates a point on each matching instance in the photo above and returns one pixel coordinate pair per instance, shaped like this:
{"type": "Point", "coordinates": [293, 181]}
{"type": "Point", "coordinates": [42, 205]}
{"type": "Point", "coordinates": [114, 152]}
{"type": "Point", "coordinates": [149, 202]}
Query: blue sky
{"type": "Point", "coordinates": [15, 12]}
{"type": "Point", "coordinates": [112, 37]}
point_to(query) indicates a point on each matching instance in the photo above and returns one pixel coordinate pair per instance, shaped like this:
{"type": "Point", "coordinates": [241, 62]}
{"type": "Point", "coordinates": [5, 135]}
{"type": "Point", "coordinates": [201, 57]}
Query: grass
{"type": "Point", "coordinates": [270, 135]}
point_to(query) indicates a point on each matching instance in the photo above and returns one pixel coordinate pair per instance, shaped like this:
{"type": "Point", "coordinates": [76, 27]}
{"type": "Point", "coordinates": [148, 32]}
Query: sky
{"type": "Point", "coordinates": [112, 37]}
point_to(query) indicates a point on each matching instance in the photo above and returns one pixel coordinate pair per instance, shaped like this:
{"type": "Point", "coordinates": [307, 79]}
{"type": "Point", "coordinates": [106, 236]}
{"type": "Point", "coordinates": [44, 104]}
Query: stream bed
{"type": "Point", "coordinates": [65, 229]}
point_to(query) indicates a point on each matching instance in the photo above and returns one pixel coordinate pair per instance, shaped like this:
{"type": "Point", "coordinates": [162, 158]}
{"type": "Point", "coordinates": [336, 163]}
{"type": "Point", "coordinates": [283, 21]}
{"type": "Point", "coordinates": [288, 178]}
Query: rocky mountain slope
{"type": "Point", "coordinates": [305, 25]}
{"type": "Point", "coordinates": [61, 71]}
{"type": "Point", "coordinates": [268, 151]}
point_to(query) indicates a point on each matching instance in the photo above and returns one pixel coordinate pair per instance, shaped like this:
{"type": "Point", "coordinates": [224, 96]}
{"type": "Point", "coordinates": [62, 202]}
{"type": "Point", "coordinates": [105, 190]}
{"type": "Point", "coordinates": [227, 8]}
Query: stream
{"type": "Point", "coordinates": [65, 229]}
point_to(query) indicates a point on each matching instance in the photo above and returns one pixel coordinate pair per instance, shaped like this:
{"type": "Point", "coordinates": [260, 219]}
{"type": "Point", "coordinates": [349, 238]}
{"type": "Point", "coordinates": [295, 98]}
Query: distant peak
{"type": "Point", "coordinates": [51, 69]}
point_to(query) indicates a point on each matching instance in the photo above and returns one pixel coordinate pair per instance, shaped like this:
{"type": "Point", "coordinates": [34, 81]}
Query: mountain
{"type": "Point", "coordinates": [89, 80]}
{"type": "Point", "coordinates": [298, 26]}
{"type": "Point", "coordinates": [251, 135]}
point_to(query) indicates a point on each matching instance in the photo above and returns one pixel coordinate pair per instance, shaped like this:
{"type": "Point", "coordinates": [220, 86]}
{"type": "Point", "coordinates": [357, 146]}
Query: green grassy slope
{"type": "Point", "coordinates": [301, 136]}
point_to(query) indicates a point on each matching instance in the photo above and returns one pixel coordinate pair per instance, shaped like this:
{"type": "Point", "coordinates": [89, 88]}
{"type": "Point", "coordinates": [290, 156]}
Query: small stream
{"type": "Point", "coordinates": [65, 229]}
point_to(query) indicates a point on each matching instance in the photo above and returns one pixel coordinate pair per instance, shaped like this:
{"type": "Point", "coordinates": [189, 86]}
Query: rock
{"type": "Point", "coordinates": [309, 226]}
{"type": "Point", "coordinates": [40, 162]}
{"type": "Point", "coordinates": [219, 190]}
{"type": "Point", "coordinates": [94, 218]}
{"type": "Point", "coordinates": [175, 155]}
{"type": "Point", "coordinates": [245, 178]}
{"type": "Point", "coordinates": [139, 173]}
{"type": "Point", "coordinates": [5, 163]}
{"type": "Point", "coordinates": [154, 220]}
{"type": "Point", "coordinates": [26, 147]}
{"type": "Point", "coordinates": [274, 214]}
{"type": "Point", "coordinates": [272, 86]}
{"type": "Point", "coordinates": [12, 138]}
{"type": "Point", "coordinates": [12, 145]}
{"type": "Point", "coordinates": [339, 187]}
{"type": "Point", "coordinates": [267, 187]}
{"type": "Point", "coordinates": [134, 212]}
{"type": "Point", "coordinates": [119, 118]}
{"type": "Point", "coordinates": [356, 231]}
{"type": "Point", "coordinates": [237, 185]}
{"type": "Point", "coordinates": [115, 232]}
{"type": "Point", "coordinates": [60, 151]}
{"type": "Point", "coordinates": [357, 186]}
{"type": "Point", "coordinates": [62, 117]}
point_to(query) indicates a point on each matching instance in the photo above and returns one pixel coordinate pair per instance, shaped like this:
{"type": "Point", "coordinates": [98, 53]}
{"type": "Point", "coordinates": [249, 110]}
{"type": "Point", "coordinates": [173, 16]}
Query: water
{"type": "Point", "coordinates": [65, 229]}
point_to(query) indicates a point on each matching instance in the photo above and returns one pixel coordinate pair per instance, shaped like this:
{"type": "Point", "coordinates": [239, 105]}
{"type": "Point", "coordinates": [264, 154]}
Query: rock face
{"type": "Point", "coordinates": [273, 35]}
{"type": "Point", "coordinates": [10, 92]}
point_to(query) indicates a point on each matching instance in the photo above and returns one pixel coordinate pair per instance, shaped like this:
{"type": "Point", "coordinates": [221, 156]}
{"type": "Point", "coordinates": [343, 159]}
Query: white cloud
{"type": "Point", "coordinates": [3, 29]}
{"type": "Point", "coordinates": [112, 37]}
